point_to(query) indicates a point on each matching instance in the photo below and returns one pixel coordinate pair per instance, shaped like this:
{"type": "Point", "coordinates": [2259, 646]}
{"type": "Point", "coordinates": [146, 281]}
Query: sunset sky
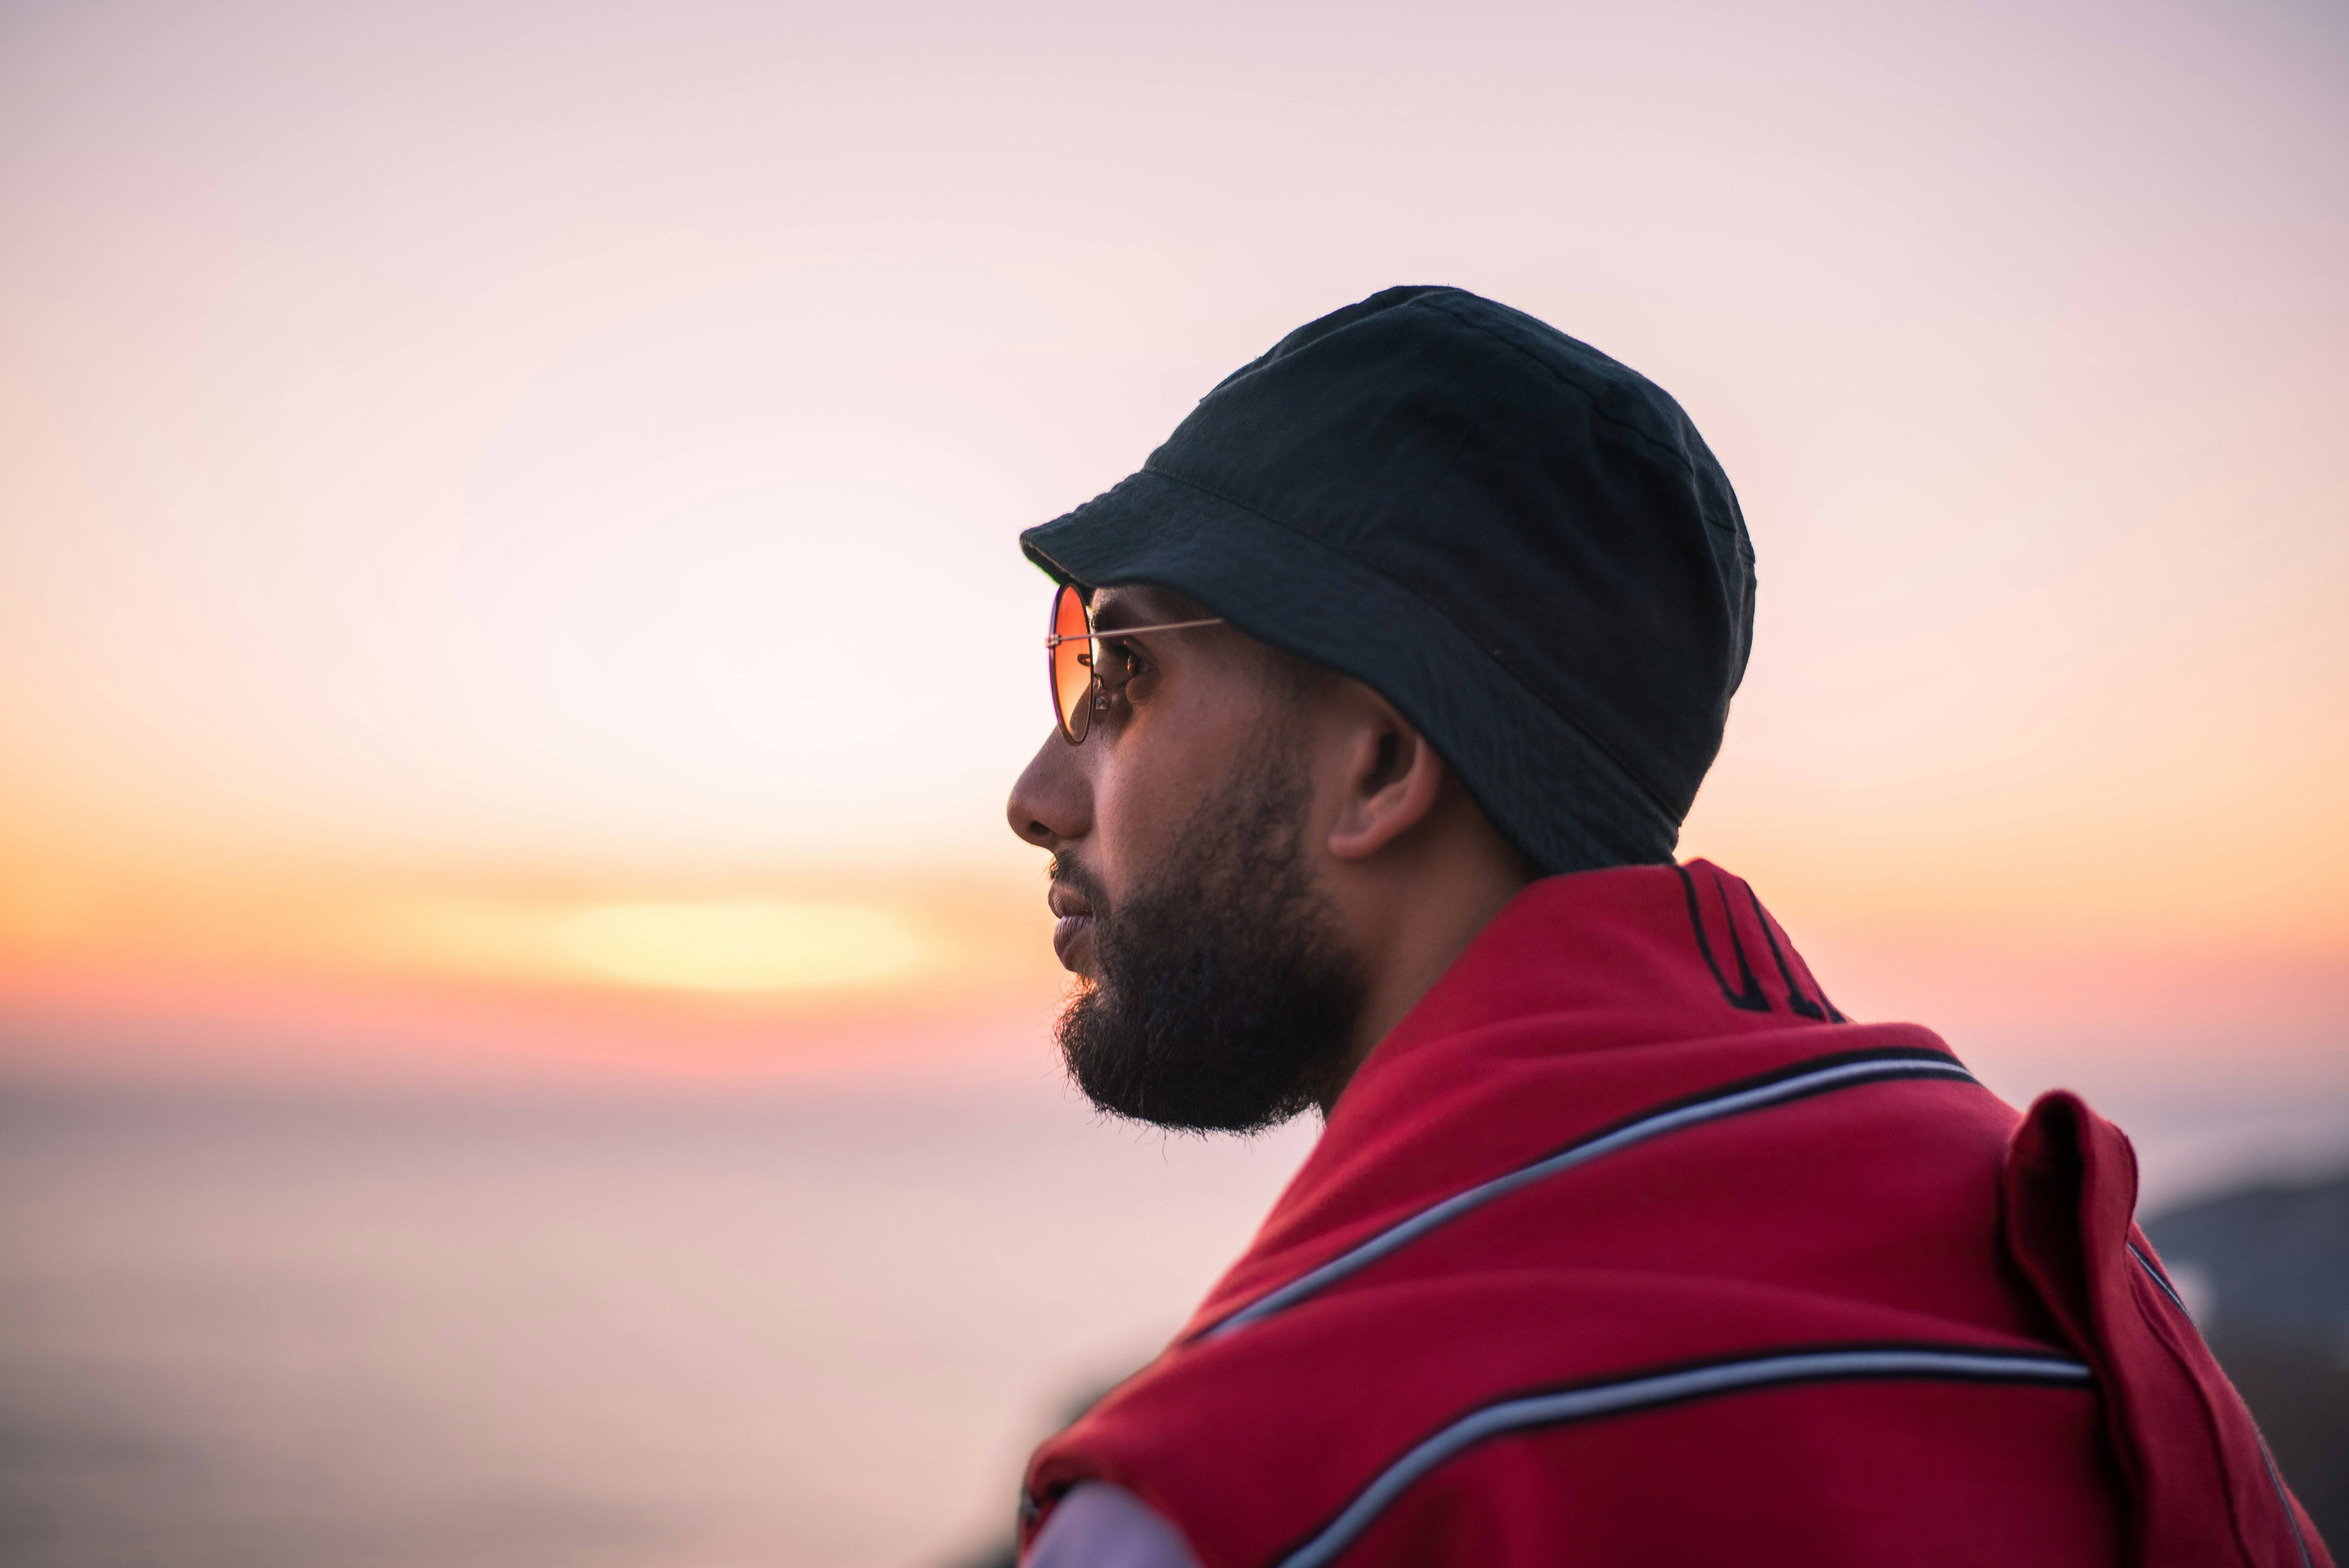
{"type": "Point", "coordinates": [507, 513]}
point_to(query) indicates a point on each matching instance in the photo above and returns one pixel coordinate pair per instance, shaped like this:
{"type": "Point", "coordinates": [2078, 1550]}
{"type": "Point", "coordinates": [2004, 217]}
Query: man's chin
{"type": "Point", "coordinates": [1211, 1086]}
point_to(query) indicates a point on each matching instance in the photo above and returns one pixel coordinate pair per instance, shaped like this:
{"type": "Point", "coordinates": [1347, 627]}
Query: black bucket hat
{"type": "Point", "coordinates": [1523, 545]}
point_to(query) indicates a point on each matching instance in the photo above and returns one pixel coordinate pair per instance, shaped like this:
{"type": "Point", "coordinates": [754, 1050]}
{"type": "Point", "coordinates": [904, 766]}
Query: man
{"type": "Point", "coordinates": [1381, 691]}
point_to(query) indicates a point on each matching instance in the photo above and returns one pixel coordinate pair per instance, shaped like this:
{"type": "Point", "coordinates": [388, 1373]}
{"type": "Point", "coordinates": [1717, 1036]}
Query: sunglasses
{"type": "Point", "coordinates": [1072, 649]}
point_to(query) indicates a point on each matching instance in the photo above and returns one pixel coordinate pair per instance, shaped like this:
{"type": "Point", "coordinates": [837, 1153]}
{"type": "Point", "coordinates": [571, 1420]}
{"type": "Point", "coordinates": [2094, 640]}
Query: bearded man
{"type": "Point", "coordinates": [1380, 693]}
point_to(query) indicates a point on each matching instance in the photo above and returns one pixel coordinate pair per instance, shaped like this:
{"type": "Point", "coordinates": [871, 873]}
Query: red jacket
{"type": "Point", "coordinates": [1625, 1247]}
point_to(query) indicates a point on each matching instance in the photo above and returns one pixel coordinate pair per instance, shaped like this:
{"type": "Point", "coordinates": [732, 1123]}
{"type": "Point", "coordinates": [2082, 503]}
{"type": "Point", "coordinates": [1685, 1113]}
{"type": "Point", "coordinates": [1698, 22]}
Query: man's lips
{"type": "Point", "coordinates": [1073, 929]}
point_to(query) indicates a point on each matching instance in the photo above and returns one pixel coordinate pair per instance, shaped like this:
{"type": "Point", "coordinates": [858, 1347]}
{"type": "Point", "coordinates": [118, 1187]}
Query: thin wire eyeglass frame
{"type": "Point", "coordinates": [1055, 637]}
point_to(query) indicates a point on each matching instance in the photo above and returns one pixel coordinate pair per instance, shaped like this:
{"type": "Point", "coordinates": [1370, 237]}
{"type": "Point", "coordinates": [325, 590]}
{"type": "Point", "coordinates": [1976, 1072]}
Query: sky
{"type": "Point", "coordinates": [507, 511]}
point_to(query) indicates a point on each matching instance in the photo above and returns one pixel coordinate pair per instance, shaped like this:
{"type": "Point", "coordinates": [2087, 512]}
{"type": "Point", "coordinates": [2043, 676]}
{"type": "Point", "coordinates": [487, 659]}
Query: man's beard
{"type": "Point", "coordinates": [1225, 1000]}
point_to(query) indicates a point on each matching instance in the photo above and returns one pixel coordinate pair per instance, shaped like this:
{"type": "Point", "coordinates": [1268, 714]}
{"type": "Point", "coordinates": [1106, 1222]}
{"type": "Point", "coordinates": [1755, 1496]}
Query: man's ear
{"type": "Point", "coordinates": [1391, 781]}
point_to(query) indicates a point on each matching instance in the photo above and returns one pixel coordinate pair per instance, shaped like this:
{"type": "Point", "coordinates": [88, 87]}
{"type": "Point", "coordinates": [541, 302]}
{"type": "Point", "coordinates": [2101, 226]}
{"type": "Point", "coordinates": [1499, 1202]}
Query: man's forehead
{"type": "Point", "coordinates": [1138, 603]}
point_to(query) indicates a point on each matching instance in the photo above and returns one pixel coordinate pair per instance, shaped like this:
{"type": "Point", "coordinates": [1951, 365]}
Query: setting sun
{"type": "Point", "coordinates": [738, 946]}
{"type": "Point", "coordinates": [732, 944]}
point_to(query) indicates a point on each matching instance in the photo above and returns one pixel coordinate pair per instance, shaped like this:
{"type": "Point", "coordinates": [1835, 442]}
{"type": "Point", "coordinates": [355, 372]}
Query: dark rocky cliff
{"type": "Point", "coordinates": [2265, 1271]}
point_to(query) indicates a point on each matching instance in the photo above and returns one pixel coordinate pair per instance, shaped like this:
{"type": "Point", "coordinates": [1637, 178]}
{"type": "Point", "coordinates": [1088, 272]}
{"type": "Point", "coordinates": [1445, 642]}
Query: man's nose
{"type": "Point", "coordinates": [1051, 804]}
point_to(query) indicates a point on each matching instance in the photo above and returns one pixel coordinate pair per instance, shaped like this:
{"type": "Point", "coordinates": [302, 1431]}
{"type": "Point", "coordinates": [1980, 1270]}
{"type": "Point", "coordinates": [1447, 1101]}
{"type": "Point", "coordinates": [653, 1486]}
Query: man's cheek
{"type": "Point", "coordinates": [1120, 846]}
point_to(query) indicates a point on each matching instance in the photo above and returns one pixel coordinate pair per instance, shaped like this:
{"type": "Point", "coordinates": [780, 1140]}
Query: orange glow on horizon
{"type": "Point", "coordinates": [302, 974]}
{"type": "Point", "coordinates": [100, 972]}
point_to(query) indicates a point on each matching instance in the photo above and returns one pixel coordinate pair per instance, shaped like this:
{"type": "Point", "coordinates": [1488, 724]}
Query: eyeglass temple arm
{"type": "Point", "coordinates": [1054, 639]}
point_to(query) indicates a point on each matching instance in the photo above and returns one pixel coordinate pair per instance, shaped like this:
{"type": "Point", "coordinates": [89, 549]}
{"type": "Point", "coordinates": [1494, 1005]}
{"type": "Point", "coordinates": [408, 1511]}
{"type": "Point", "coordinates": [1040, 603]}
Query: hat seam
{"type": "Point", "coordinates": [1680, 460]}
{"type": "Point", "coordinates": [1638, 782]}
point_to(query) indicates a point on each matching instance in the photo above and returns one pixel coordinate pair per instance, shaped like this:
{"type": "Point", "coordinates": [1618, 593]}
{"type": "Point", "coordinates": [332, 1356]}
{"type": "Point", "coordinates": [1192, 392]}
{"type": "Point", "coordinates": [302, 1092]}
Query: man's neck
{"type": "Point", "coordinates": [1428, 921]}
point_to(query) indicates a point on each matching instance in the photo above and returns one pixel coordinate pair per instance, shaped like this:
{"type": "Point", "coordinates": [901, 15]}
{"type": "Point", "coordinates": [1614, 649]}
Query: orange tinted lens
{"type": "Point", "coordinates": [1072, 669]}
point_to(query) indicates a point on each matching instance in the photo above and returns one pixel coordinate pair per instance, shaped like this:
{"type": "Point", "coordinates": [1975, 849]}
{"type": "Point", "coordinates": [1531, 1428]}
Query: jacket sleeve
{"type": "Point", "coordinates": [1101, 1526]}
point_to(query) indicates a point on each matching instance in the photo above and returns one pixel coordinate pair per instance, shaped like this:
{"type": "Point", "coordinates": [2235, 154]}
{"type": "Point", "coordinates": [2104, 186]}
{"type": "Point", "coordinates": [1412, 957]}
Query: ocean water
{"type": "Point", "coordinates": [809, 1331]}
{"type": "Point", "coordinates": [669, 1332]}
